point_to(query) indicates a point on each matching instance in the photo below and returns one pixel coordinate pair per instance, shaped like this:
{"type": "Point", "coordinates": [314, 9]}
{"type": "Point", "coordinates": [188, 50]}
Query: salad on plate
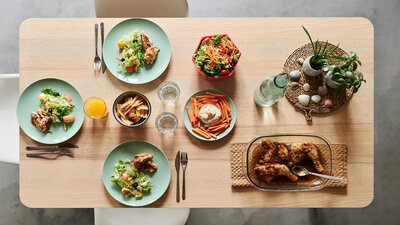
{"type": "Point", "coordinates": [130, 175]}
{"type": "Point", "coordinates": [216, 56]}
{"type": "Point", "coordinates": [54, 108]}
{"type": "Point", "coordinates": [135, 51]}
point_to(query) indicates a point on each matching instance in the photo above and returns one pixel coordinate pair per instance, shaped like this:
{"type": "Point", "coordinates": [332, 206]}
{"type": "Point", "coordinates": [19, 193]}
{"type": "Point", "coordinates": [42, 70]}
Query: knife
{"type": "Point", "coordinates": [103, 65]}
{"type": "Point", "coordinates": [44, 147]}
{"type": "Point", "coordinates": [177, 166]}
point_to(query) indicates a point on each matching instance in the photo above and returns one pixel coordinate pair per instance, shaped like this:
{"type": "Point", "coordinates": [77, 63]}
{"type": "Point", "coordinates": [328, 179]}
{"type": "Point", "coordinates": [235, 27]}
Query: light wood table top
{"type": "Point", "coordinates": [64, 48]}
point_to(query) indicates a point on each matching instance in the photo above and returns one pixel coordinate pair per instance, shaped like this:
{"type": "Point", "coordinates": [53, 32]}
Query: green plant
{"type": "Point", "coordinates": [346, 74]}
{"type": "Point", "coordinates": [321, 55]}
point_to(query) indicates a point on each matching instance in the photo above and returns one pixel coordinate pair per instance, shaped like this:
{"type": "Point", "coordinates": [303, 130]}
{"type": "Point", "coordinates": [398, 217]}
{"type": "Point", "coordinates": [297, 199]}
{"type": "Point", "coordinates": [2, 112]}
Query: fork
{"type": "Point", "coordinates": [62, 151]}
{"type": "Point", "coordinates": [184, 162]}
{"type": "Point", "coordinates": [97, 61]}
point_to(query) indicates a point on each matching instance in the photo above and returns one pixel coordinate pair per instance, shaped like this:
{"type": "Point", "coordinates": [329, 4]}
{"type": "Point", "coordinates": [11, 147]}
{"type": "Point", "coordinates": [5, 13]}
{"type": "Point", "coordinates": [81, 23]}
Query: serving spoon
{"type": "Point", "coordinates": [302, 171]}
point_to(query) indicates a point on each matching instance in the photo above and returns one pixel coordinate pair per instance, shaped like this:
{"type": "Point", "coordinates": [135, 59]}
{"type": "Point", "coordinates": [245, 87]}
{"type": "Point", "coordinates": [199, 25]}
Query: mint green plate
{"type": "Point", "coordinates": [188, 124]}
{"type": "Point", "coordinates": [147, 72]}
{"type": "Point", "coordinates": [159, 179]}
{"type": "Point", "coordinates": [29, 101]}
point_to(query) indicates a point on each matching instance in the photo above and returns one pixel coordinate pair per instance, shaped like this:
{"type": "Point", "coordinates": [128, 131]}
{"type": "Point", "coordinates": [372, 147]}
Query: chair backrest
{"type": "Point", "coordinates": [9, 130]}
{"type": "Point", "coordinates": [157, 216]}
{"type": "Point", "coordinates": [141, 8]}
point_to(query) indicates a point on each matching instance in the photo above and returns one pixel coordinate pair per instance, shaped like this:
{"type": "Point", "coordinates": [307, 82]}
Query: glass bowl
{"type": "Point", "coordinates": [308, 183]}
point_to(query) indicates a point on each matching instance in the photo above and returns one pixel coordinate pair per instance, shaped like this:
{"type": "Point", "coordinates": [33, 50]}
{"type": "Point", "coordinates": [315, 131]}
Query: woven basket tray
{"type": "Point", "coordinates": [338, 97]}
{"type": "Point", "coordinates": [239, 178]}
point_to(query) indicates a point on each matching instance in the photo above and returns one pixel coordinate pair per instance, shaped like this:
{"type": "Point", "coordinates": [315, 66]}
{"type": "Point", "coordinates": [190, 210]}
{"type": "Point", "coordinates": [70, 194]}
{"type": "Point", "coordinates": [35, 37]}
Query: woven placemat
{"type": "Point", "coordinates": [338, 97]}
{"type": "Point", "coordinates": [238, 177]}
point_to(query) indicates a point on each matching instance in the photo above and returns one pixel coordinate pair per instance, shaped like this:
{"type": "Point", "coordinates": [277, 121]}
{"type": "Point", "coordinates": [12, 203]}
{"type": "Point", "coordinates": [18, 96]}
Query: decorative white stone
{"type": "Point", "coordinates": [322, 90]}
{"type": "Point", "coordinates": [316, 98]}
{"type": "Point", "coordinates": [306, 86]}
{"type": "Point", "coordinates": [294, 75]}
{"type": "Point", "coordinates": [328, 103]}
{"type": "Point", "coordinates": [304, 99]}
{"type": "Point", "coordinates": [300, 61]}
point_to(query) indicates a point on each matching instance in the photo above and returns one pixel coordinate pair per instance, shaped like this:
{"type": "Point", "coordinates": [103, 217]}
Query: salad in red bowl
{"type": "Point", "coordinates": [216, 57]}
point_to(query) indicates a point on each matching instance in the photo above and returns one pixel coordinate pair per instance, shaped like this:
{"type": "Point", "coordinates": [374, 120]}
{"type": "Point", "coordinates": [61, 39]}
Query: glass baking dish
{"type": "Point", "coordinates": [308, 183]}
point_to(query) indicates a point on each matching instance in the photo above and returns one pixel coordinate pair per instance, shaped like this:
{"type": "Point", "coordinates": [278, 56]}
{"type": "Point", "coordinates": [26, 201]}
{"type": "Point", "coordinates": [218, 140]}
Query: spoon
{"type": "Point", "coordinates": [301, 172]}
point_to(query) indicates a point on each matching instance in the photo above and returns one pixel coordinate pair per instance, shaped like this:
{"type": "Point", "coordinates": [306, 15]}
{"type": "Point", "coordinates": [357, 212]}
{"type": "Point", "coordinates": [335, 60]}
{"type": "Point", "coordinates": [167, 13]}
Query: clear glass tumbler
{"type": "Point", "coordinates": [168, 91]}
{"type": "Point", "coordinates": [166, 122]}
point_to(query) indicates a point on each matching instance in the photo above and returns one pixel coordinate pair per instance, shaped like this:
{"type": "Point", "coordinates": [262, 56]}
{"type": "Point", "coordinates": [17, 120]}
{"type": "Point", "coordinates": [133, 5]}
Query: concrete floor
{"type": "Point", "coordinates": [385, 15]}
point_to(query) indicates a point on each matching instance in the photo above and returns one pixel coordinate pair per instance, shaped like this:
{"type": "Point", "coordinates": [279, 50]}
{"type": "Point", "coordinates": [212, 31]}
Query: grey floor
{"type": "Point", "coordinates": [385, 15]}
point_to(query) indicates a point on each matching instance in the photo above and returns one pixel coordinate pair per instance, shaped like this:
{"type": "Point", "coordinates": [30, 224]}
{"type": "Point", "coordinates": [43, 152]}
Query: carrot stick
{"type": "Point", "coordinates": [189, 115]}
{"type": "Point", "coordinates": [219, 132]}
{"type": "Point", "coordinates": [217, 95]}
{"type": "Point", "coordinates": [200, 132]}
{"type": "Point", "coordinates": [214, 124]}
{"type": "Point", "coordinates": [205, 96]}
{"type": "Point", "coordinates": [213, 135]}
{"type": "Point", "coordinates": [195, 109]}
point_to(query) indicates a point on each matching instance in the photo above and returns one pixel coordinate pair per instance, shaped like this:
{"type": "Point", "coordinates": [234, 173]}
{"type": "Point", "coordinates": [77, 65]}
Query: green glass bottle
{"type": "Point", "coordinates": [271, 90]}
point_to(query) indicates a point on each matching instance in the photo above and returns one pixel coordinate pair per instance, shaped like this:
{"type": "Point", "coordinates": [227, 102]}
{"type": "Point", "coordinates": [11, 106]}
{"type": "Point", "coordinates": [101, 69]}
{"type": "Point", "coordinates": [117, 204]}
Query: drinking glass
{"type": "Point", "coordinates": [166, 122]}
{"type": "Point", "coordinates": [95, 108]}
{"type": "Point", "coordinates": [168, 91]}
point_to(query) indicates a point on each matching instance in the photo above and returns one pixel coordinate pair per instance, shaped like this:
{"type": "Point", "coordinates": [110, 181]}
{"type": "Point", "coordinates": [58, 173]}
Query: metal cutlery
{"type": "Point", "coordinates": [45, 147]}
{"type": "Point", "coordinates": [103, 65]}
{"type": "Point", "coordinates": [63, 151]}
{"type": "Point", "coordinates": [184, 162]}
{"type": "Point", "coordinates": [97, 61]}
{"type": "Point", "coordinates": [177, 166]}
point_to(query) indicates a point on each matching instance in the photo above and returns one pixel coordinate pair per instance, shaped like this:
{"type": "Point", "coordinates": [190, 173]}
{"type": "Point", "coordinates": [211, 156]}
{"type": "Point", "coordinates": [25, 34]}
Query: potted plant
{"type": "Point", "coordinates": [313, 65]}
{"type": "Point", "coordinates": [345, 75]}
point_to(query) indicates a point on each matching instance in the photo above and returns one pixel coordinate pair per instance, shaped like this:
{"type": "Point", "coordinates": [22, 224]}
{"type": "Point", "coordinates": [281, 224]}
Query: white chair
{"type": "Point", "coordinates": [9, 129]}
{"type": "Point", "coordinates": [141, 8]}
{"type": "Point", "coordinates": [141, 216]}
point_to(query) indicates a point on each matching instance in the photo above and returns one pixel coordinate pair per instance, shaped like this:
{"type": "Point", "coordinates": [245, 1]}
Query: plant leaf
{"type": "Point", "coordinates": [330, 52]}
{"type": "Point", "coordinates": [309, 37]}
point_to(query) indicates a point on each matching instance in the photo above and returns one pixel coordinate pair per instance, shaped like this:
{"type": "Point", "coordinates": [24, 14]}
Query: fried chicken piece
{"type": "Point", "coordinates": [146, 41]}
{"type": "Point", "coordinates": [41, 120]}
{"type": "Point", "coordinates": [269, 150]}
{"type": "Point", "coordinates": [142, 162]}
{"type": "Point", "coordinates": [150, 54]}
{"type": "Point", "coordinates": [268, 171]}
{"type": "Point", "coordinates": [312, 153]}
{"type": "Point", "coordinates": [299, 151]}
{"type": "Point", "coordinates": [283, 153]}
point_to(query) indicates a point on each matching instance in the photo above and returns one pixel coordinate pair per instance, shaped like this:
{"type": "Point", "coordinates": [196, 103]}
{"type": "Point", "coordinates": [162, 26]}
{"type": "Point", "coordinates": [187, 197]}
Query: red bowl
{"type": "Point", "coordinates": [220, 77]}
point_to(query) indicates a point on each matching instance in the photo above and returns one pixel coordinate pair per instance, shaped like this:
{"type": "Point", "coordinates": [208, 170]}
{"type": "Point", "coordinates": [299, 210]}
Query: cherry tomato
{"type": "Point", "coordinates": [126, 190]}
{"type": "Point", "coordinates": [130, 68]}
{"type": "Point", "coordinates": [221, 51]}
{"type": "Point", "coordinates": [206, 40]}
{"type": "Point", "coordinates": [224, 72]}
{"type": "Point", "coordinates": [67, 97]}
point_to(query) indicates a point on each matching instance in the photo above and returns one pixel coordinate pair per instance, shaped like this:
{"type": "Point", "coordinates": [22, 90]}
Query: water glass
{"type": "Point", "coordinates": [166, 123]}
{"type": "Point", "coordinates": [168, 91]}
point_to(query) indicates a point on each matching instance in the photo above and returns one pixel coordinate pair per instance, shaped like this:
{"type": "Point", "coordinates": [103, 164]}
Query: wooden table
{"type": "Point", "coordinates": [64, 48]}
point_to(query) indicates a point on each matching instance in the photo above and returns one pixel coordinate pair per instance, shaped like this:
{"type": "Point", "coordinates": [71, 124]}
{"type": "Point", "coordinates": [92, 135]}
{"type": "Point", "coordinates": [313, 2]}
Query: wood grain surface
{"type": "Point", "coordinates": [64, 48]}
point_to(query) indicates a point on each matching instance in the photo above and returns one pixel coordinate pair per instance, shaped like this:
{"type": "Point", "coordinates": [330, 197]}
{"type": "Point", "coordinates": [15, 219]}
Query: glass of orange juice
{"type": "Point", "coordinates": [95, 108]}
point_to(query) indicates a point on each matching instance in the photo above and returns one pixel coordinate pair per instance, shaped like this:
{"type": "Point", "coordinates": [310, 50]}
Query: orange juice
{"type": "Point", "coordinates": [97, 108]}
